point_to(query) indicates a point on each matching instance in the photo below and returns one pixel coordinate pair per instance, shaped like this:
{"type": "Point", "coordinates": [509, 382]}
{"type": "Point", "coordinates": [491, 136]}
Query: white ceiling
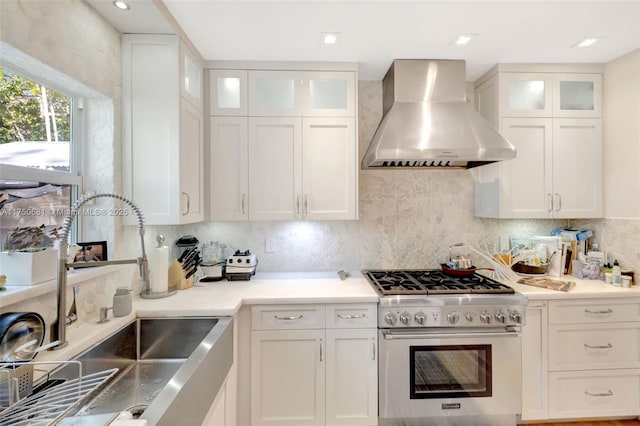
{"type": "Point", "coordinates": [373, 33]}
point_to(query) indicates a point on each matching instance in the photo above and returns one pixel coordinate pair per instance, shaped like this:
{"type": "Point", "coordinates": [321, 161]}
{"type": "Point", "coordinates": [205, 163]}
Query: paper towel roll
{"type": "Point", "coordinates": [159, 269]}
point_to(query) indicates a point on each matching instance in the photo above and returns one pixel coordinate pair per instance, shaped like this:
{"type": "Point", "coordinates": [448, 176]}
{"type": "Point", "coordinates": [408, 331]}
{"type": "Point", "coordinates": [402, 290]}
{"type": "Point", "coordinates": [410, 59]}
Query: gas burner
{"type": "Point", "coordinates": [431, 282]}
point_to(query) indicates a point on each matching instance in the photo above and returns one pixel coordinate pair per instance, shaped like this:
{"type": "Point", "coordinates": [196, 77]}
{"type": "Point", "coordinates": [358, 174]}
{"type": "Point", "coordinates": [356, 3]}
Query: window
{"type": "Point", "coordinates": [39, 176]}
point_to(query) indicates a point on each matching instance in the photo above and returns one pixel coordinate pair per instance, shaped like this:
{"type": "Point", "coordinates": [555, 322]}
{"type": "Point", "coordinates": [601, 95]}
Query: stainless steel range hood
{"type": "Point", "coordinates": [427, 122]}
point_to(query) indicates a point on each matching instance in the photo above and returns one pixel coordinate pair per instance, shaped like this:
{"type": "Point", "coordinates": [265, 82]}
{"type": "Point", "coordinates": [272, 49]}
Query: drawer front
{"type": "Point", "coordinates": [363, 315]}
{"type": "Point", "coordinates": [580, 347]}
{"type": "Point", "coordinates": [581, 312]}
{"type": "Point", "coordinates": [594, 394]}
{"type": "Point", "coordinates": [287, 317]}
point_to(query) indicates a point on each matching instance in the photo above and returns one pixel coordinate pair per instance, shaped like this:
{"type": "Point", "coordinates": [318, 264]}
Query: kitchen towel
{"type": "Point", "coordinates": [159, 269]}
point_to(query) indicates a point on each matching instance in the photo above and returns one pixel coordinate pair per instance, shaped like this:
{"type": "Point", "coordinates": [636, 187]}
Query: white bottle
{"type": "Point", "coordinates": [616, 273]}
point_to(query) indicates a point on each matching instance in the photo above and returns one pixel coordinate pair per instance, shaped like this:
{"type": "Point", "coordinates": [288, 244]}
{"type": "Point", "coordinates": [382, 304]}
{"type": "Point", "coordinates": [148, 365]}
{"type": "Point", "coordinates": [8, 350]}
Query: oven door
{"type": "Point", "coordinates": [429, 375]}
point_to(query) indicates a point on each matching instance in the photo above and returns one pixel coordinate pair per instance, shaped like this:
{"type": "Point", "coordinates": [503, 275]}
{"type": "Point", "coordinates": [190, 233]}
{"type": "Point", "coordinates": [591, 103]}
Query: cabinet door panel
{"type": "Point", "coordinates": [274, 93]}
{"type": "Point", "coordinates": [577, 95]}
{"type": "Point", "coordinates": [595, 346]}
{"type": "Point", "coordinates": [526, 180]}
{"type": "Point", "coordinates": [352, 377]}
{"type": "Point", "coordinates": [534, 362]}
{"type": "Point", "coordinates": [329, 168]}
{"type": "Point", "coordinates": [526, 95]}
{"type": "Point", "coordinates": [606, 393]}
{"type": "Point", "coordinates": [329, 94]}
{"type": "Point", "coordinates": [229, 165]}
{"type": "Point", "coordinates": [287, 378]}
{"type": "Point", "coordinates": [191, 164]}
{"type": "Point", "coordinates": [577, 168]}
{"type": "Point", "coordinates": [228, 93]}
{"type": "Point", "coordinates": [148, 64]}
{"type": "Point", "coordinates": [191, 76]}
{"type": "Point", "coordinates": [274, 168]}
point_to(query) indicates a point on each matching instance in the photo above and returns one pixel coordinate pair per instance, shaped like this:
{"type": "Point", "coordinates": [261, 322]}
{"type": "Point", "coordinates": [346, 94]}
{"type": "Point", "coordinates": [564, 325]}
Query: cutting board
{"type": "Point", "coordinates": [546, 282]}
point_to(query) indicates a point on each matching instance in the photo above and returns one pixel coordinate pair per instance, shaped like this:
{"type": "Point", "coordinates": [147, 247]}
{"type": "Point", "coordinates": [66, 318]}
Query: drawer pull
{"type": "Point", "coordinates": [598, 394]}
{"type": "Point", "coordinates": [351, 316]}
{"type": "Point", "coordinates": [297, 317]}
{"type": "Point", "coordinates": [608, 311]}
{"type": "Point", "coordinates": [607, 346]}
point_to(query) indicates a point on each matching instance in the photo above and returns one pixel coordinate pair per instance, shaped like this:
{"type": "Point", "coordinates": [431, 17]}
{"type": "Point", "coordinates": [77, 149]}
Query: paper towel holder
{"type": "Point", "coordinates": [147, 293]}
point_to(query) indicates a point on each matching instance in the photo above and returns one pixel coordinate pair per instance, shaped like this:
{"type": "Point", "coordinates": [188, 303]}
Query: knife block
{"type": "Point", "coordinates": [177, 278]}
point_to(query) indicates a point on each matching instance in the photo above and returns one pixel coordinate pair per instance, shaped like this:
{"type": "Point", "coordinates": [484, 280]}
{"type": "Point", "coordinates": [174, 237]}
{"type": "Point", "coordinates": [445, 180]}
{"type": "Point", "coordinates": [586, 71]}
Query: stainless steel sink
{"type": "Point", "coordinates": [170, 369]}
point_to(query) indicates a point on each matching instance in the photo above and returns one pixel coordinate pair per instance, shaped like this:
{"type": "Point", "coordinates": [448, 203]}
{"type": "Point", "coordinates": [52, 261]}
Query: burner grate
{"type": "Point", "coordinates": [431, 282]}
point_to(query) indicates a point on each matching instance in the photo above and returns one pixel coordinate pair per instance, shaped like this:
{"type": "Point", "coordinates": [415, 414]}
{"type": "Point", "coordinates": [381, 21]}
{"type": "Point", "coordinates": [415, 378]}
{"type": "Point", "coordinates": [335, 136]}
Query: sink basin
{"type": "Point", "coordinates": [164, 363]}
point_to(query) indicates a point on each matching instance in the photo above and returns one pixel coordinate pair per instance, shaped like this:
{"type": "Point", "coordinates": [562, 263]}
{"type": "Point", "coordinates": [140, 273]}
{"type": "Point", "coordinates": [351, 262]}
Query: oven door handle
{"type": "Point", "coordinates": [393, 335]}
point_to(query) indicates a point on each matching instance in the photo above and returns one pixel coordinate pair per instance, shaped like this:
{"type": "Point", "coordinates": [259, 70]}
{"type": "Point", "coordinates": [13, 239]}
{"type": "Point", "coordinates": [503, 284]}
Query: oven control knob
{"type": "Point", "coordinates": [420, 318]}
{"type": "Point", "coordinates": [515, 317]}
{"type": "Point", "coordinates": [468, 316]}
{"type": "Point", "coordinates": [453, 317]}
{"type": "Point", "coordinates": [405, 318]}
{"type": "Point", "coordinates": [390, 319]}
{"type": "Point", "coordinates": [501, 316]}
{"type": "Point", "coordinates": [485, 317]}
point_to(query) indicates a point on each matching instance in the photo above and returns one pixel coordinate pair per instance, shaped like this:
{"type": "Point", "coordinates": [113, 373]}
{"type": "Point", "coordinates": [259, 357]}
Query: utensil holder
{"type": "Point", "coordinates": [16, 383]}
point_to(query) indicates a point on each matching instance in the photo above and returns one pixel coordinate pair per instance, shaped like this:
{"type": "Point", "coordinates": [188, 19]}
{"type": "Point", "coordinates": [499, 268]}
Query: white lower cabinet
{"type": "Point", "coordinates": [597, 393]}
{"type": "Point", "coordinates": [287, 377]}
{"type": "Point", "coordinates": [534, 362]}
{"type": "Point", "coordinates": [594, 358]}
{"type": "Point", "coordinates": [308, 371]}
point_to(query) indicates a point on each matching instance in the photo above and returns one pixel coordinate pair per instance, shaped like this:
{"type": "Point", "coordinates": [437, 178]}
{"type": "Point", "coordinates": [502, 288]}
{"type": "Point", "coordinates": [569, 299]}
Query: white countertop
{"type": "Point", "coordinates": [225, 297]}
{"type": "Point", "coordinates": [584, 289]}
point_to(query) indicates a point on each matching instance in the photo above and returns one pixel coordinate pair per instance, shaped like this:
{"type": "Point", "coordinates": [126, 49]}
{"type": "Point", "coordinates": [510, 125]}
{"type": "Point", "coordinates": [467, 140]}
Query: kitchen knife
{"type": "Point", "coordinates": [184, 254]}
{"type": "Point", "coordinates": [194, 261]}
{"type": "Point", "coordinates": [191, 272]}
{"type": "Point", "coordinates": [190, 255]}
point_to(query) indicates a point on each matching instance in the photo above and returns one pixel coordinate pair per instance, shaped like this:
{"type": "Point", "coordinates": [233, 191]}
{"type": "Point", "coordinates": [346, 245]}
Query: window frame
{"type": "Point", "coordinates": [73, 177]}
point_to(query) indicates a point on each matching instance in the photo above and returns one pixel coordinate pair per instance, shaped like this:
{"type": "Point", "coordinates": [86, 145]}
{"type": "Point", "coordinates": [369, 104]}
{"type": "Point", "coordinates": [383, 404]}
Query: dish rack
{"type": "Point", "coordinates": [19, 405]}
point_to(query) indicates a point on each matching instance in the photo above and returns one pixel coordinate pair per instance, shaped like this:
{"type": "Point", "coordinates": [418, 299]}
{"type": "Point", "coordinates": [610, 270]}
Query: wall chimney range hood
{"type": "Point", "coordinates": [427, 122]}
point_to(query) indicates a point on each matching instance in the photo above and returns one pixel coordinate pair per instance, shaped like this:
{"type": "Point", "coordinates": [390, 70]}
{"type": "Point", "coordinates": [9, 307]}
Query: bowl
{"type": "Point", "coordinates": [530, 269]}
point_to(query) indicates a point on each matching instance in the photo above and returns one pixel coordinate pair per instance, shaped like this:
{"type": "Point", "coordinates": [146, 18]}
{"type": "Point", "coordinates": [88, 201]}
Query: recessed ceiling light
{"type": "Point", "coordinates": [122, 5]}
{"type": "Point", "coordinates": [330, 38]}
{"type": "Point", "coordinates": [586, 42]}
{"type": "Point", "coordinates": [463, 39]}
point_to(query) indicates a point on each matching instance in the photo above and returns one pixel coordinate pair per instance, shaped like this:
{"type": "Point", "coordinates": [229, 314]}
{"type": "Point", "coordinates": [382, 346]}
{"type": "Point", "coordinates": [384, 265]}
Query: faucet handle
{"type": "Point", "coordinates": [103, 314]}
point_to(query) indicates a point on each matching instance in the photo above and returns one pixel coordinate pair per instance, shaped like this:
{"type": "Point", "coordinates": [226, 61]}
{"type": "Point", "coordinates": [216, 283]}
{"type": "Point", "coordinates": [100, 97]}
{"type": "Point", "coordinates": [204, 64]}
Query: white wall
{"type": "Point", "coordinates": [621, 134]}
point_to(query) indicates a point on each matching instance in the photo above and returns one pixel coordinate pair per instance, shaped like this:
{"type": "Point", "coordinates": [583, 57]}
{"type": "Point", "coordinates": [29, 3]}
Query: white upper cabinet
{"type": "Point", "coordinates": [577, 95]}
{"type": "Point", "coordinates": [191, 77]}
{"type": "Point", "coordinates": [300, 131]}
{"type": "Point", "coordinates": [228, 94]}
{"type": "Point", "coordinates": [526, 95]}
{"type": "Point", "coordinates": [275, 93]}
{"type": "Point", "coordinates": [274, 168]}
{"type": "Point", "coordinates": [229, 186]}
{"type": "Point", "coordinates": [328, 178]}
{"type": "Point", "coordinates": [328, 94]}
{"type": "Point", "coordinates": [302, 93]}
{"type": "Point", "coordinates": [557, 172]}
{"type": "Point", "coordinates": [163, 166]}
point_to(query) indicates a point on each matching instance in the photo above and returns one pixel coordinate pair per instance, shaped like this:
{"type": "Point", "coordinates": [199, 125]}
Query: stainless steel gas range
{"type": "Point", "coordinates": [450, 348]}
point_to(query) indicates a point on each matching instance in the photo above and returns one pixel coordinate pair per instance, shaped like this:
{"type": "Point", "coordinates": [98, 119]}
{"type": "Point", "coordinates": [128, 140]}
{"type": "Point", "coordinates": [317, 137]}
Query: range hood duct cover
{"type": "Point", "coordinates": [427, 122]}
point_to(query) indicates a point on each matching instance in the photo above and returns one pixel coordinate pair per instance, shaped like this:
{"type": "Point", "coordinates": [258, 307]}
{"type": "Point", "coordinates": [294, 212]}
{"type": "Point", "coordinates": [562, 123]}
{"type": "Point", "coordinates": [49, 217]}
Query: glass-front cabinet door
{"type": "Point", "coordinates": [329, 94]}
{"type": "Point", "coordinates": [526, 95]}
{"type": "Point", "coordinates": [275, 93]}
{"type": "Point", "coordinates": [228, 92]}
{"type": "Point", "coordinates": [577, 95]}
{"type": "Point", "coordinates": [191, 75]}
